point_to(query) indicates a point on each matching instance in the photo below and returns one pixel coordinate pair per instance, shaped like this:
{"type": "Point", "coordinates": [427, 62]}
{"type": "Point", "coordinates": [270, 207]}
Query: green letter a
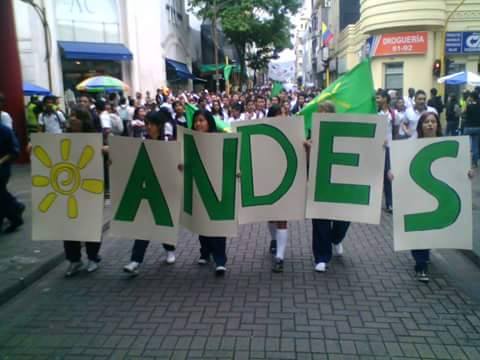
{"type": "Point", "coordinates": [143, 185]}
{"type": "Point", "coordinates": [449, 203]}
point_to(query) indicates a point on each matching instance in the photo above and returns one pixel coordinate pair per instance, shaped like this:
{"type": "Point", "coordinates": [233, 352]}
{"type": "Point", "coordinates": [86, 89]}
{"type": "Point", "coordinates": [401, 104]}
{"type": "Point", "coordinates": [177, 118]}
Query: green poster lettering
{"type": "Point", "coordinates": [246, 166]}
{"type": "Point", "coordinates": [449, 203]}
{"type": "Point", "coordinates": [325, 190]}
{"type": "Point", "coordinates": [143, 185]}
{"type": "Point", "coordinates": [194, 170]}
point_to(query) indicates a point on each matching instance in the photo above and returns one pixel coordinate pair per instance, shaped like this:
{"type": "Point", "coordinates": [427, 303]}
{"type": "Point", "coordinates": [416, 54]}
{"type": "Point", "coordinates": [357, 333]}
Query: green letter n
{"type": "Point", "coordinates": [194, 170]}
{"type": "Point", "coordinates": [325, 190]}
{"type": "Point", "coordinates": [143, 185]}
{"type": "Point", "coordinates": [449, 203]}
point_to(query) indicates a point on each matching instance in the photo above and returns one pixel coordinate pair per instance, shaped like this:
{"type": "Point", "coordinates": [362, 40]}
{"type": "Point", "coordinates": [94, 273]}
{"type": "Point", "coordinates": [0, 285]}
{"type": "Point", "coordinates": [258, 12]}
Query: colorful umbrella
{"type": "Point", "coordinates": [101, 84]}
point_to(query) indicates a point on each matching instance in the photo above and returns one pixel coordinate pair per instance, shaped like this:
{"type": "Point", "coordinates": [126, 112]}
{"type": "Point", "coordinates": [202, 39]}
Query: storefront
{"type": "Point", "coordinates": [89, 40]}
{"type": "Point", "coordinates": [402, 60]}
{"type": "Point", "coordinates": [462, 50]}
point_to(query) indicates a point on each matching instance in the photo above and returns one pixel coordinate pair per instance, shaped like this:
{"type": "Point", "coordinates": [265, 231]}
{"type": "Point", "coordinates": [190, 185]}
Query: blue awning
{"type": "Point", "coordinates": [77, 50]}
{"type": "Point", "coordinates": [31, 89]}
{"type": "Point", "coordinates": [180, 68]}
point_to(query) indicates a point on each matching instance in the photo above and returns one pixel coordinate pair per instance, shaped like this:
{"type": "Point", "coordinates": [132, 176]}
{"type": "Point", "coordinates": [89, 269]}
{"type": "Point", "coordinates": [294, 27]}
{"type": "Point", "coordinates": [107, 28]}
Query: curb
{"type": "Point", "coordinates": [24, 282]}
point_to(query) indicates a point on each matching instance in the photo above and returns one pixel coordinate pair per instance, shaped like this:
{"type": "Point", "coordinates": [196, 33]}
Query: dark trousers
{"type": "Point", "coordinates": [215, 246]}
{"type": "Point", "coordinates": [421, 258]}
{"type": "Point", "coordinates": [387, 184]}
{"type": "Point", "coordinates": [9, 205]}
{"type": "Point", "coordinates": [324, 234]}
{"type": "Point", "coordinates": [452, 128]}
{"type": "Point", "coordinates": [73, 250]}
{"type": "Point", "coordinates": [140, 247]}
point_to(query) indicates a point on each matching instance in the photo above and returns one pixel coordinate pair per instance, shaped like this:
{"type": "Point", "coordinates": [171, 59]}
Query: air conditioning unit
{"type": "Point", "coordinates": [327, 3]}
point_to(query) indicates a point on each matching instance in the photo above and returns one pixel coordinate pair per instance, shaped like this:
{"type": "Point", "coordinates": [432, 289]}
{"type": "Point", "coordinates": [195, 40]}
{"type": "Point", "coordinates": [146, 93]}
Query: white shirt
{"type": "Point", "coordinates": [409, 102]}
{"type": "Point", "coordinates": [232, 119]}
{"type": "Point", "coordinates": [105, 120]}
{"type": "Point", "coordinates": [53, 122]}
{"type": "Point", "coordinates": [412, 117]}
{"type": "Point", "coordinates": [248, 116]}
{"type": "Point", "coordinates": [6, 120]}
{"type": "Point", "coordinates": [388, 115]}
{"type": "Point", "coordinates": [400, 118]}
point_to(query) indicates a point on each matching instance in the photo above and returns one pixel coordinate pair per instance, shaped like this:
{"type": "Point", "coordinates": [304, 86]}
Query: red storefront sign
{"type": "Point", "coordinates": [406, 43]}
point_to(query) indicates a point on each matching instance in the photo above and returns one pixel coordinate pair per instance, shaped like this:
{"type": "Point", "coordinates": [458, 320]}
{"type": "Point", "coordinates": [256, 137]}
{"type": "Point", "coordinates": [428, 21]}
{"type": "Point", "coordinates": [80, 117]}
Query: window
{"type": "Point", "coordinates": [394, 77]}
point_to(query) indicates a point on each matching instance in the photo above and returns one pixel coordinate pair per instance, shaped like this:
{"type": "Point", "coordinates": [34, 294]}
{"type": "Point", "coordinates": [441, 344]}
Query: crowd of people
{"type": "Point", "coordinates": [157, 117]}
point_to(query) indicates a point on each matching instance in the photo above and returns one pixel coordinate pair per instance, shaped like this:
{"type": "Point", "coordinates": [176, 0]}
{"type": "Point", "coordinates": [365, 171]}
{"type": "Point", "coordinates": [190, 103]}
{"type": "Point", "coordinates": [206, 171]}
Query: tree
{"type": "Point", "coordinates": [263, 25]}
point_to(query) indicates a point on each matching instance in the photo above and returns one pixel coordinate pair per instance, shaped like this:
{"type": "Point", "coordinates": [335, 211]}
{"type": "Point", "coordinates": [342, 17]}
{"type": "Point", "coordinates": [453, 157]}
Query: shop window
{"type": "Point", "coordinates": [394, 77]}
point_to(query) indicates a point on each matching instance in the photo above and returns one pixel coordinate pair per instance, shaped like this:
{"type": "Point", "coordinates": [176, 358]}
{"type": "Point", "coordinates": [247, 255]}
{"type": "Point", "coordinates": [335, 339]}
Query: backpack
{"type": "Point", "coordinates": [60, 123]}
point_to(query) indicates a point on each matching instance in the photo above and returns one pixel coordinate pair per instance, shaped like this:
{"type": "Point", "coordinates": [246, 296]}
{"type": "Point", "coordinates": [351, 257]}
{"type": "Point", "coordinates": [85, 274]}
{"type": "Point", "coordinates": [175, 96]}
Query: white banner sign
{"type": "Point", "coordinates": [210, 195]}
{"type": "Point", "coordinates": [432, 194]}
{"type": "Point", "coordinates": [67, 187]}
{"type": "Point", "coordinates": [273, 165]}
{"type": "Point", "coordinates": [346, 168]}
{"type": "Point", "coordinates": [146, 189]}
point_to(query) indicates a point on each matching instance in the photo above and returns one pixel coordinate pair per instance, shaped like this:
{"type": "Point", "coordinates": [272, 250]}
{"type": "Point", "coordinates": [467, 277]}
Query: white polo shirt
{"type": "Point", "coordinates": [53, 122]}
{"type": "Point", "coordinates": [412, 116]}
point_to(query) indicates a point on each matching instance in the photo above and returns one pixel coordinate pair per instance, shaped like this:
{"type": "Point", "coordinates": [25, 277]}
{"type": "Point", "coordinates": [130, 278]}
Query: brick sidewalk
{"type": "Point", "coordinates": [23, 261]}
{"type": "Point", "coordinates": [366, 306]}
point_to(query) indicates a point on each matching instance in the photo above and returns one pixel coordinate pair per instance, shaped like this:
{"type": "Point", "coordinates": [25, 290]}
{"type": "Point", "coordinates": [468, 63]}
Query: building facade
{"type": "Point", "coordinates": [146, 43]}
{"type": "Point", "coordinates": [406, 38]}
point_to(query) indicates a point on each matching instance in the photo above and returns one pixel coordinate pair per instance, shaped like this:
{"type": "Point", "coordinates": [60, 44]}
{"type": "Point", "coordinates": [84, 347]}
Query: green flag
{"type": "Point", "coordinates": [351, 93]}
{"type": "Point", "coordinates": [227, 70]}
{"type": "Point", "coordinates": [190, 110]}
{"type": "Point", "coordinates": [277, 88]}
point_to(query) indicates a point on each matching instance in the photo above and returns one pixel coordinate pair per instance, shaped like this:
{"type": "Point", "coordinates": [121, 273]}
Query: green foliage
{"type": "Point", "coordinates": [263, 25]}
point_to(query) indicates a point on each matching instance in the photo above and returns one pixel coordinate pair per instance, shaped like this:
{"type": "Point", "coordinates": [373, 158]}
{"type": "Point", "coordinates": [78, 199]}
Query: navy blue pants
{"type": "Point", "coordinates": [9, 205]}
{"type": "Point", "coordinates": [215, 246]}
{"type": "Point", "coordinates": [421, 258]}
{"type": "Point", "coordinates": [140, 247]}
{"type": "Point", "coordinates": [387, 184]}
{"type": "Point", "coordinates": [324, 234]}
{"type": "Point", "coordinates": [73, 250]}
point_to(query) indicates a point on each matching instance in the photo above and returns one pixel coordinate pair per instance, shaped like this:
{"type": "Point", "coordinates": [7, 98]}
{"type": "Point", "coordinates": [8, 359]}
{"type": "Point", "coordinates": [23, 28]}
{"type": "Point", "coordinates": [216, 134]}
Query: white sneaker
{"type": "Point", "coordinates": [338, 249]}
{"type": "Point", "coordinates": [170, 257]}
{"type": "Point", "coordinates": [202, 261]}
{"type": "Point", "coordinates": [74, 268]}
{"type": "Point", "coordinates": [92, 266]}
{"type": "Point", "coordinates": [132, 268]}
{"type": "Point", "coordinates": [321, 267]}
{"type": "Point", "coordinates": [220, 270]}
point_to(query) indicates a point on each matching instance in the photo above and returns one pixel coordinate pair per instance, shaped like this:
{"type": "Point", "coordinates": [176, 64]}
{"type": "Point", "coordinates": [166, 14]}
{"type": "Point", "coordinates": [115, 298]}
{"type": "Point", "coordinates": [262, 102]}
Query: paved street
{"type": "Point", "coordinates": [366, 306]}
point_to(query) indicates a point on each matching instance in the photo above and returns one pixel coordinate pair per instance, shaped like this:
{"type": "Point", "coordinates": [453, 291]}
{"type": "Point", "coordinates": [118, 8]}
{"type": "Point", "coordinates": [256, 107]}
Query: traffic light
{"type": "Point", "coordinates": [437, 68]}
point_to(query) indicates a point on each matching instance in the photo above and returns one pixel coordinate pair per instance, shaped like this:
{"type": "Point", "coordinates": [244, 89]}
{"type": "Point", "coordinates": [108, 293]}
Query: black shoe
{"type": "Point", "coordinates": [273, 247]}
{"type": "Point", "coordinates": [14, 225]}
{"type": "Point", "coordinates": [389, 210]}
{"type": "Point", "coordinates": [422, 276]}
{"type": "Point", "coordinates": [277, 266]}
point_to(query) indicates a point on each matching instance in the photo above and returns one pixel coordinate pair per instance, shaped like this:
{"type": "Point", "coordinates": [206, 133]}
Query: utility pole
{"type": "Point", "coordinates": [215, 45]}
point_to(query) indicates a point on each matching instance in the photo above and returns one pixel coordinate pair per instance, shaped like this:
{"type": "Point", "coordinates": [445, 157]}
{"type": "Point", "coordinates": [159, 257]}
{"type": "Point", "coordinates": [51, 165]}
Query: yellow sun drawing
{"type": "Point", "coordinates": [65, 178]}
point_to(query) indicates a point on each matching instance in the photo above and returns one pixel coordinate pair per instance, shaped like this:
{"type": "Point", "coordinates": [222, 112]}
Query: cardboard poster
{"type": "Point", "coordinates": [347, 160]}
{"type": "Point", "coordinates": [146, 189]}
{"type": "Point", "coordinates": [67, 187]}
{"type": "Point", "coordinates": [273, 164]}
{"type": "Point", "coordinates": [432, 194]}
{"type": "Point", "coordinates": [210, 184]}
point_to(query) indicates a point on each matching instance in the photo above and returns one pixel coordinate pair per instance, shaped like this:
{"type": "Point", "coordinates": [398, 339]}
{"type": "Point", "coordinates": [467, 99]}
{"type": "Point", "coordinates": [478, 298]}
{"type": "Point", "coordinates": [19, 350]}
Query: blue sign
{"type": "Point", "coordinates": [462, 43]}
